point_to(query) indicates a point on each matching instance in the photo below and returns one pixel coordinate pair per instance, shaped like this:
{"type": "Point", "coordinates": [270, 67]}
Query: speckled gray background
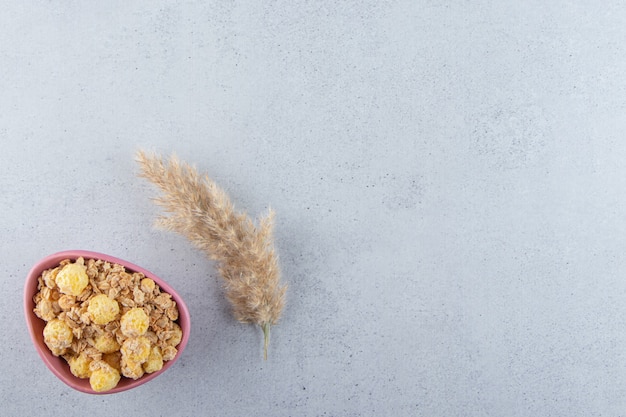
{"type": "Point", "coordinates": [449, 182]}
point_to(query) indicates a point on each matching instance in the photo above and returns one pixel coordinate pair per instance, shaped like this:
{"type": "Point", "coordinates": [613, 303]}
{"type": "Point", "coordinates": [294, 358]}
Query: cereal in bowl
{"type": "Point", "coordinates": [107, 322]}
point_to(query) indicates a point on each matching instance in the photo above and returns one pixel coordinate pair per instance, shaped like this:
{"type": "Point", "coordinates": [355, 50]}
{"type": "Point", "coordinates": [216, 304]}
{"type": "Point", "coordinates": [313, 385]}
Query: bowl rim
{"type": "Point", "coordinates": [47, 356]}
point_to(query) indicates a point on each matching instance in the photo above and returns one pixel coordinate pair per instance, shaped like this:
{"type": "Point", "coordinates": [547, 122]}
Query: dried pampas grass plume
{"type": "Point", "coordinates": [202, 212]}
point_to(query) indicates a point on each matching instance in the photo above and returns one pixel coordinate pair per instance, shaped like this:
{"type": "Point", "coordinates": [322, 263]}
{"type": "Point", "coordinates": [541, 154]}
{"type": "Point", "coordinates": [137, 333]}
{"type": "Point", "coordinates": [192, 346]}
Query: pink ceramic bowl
{"type": "Point", "coordinates": [58, 365]}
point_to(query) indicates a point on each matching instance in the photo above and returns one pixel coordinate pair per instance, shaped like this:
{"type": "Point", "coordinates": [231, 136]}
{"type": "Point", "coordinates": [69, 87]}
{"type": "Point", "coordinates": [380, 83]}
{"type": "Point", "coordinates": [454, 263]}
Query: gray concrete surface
{"type": "Point", "coordinates": [448, 177]}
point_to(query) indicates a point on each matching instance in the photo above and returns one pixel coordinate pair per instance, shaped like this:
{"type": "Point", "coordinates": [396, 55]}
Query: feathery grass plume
{"type": "Point", "coordinates": [202, 212]}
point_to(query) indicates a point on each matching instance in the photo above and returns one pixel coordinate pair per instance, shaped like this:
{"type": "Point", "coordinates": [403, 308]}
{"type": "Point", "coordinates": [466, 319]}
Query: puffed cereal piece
{"type": "Point", "coordinates": [58, 336]}
{"type": "Point", "coordinates": [132, 369]}
{"type": "Point", "coordinates": [103, 309]}
{"type": "Point", "coordinates": [154, 362]}
{"type": "Point", "coordinates": [147, 285]}
{"type": "Point", "coordinates": [72, 279]}
{"type": "Point", "coordinates": [134, 322]}
{"type": "Point", "coordinates": [106, 343]}
{"type": "Point", "coordinates": [103, 377]}
{"type": "Point", "coordinates": [79, 365]}
{"type": "Point", "coordinates": [135, 349]}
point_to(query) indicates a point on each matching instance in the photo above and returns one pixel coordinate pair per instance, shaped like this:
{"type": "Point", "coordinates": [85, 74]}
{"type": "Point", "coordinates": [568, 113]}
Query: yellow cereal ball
{"type": "Point", "coordinates": [104, 378]}
{"type": "Point", "coordinates": [72, 279]}
{"type": "Point", "coordinates": [58, 336]}
{"type": "Point", "coordinates": [135, 349]}
{"type": "Point", "coordinates": [79, 365]}
{"type": "Point", "coordinates": [147, 285]}
{"type": "Point", "coordinates": [103, 309]}
{"type": "Point", "coordinates": [176, 335]}
{"type": "Point", "coordinates": [106, 343]}
{"type": "Point", "coordinates": [154, 362]}
{"type": "Point", "coordinates": [134, 322]}
{"type": "Point", "coordinates": [131, 369]}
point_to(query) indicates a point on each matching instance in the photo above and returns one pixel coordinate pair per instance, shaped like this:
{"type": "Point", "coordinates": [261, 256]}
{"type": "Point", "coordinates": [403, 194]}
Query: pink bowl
{"type": "Point", "coordinates": [58, 365]}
